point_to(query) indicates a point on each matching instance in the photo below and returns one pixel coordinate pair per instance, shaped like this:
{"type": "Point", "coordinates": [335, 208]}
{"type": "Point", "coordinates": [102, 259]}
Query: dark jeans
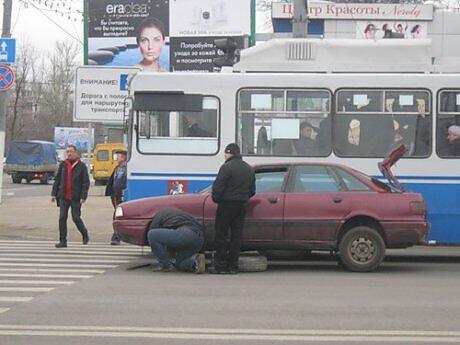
{"type": "Point", "coordinates": [116, 200]}
{"type": "Point", "coordinates": [184, 241]}
{"type": "Point", "coordinates": [228, 216]}
{"type": "Point", "coordinates": [75, 207]}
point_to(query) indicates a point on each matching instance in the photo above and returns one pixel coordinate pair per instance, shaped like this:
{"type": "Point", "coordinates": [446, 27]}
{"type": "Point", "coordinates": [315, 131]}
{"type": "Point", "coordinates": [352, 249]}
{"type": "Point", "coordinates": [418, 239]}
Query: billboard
{"type": "Point", "coordinates": [162, 35]}
{"type": "Point", "coordinates": [100, 93]}
{"type": "Point", "coordinates": [354, 11]}
{"type": "Point", "coordinates": [80, 137]}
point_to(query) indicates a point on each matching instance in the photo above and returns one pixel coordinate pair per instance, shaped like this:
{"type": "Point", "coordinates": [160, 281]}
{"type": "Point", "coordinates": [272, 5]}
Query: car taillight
{"type": "Point", "coordinates": [418, 208]}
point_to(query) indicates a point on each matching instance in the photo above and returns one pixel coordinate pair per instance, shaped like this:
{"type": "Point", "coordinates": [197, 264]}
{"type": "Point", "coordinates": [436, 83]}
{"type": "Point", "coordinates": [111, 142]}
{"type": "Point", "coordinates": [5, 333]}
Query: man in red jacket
{"type": "Point", "coordinates": [70, 190]}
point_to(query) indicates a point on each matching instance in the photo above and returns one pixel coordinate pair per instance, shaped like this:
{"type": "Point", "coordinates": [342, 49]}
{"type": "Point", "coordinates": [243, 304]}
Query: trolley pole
{"type": "Point", "coordinates": [6, 32]}
{"type": "Point", "coordinates": [300, 19]}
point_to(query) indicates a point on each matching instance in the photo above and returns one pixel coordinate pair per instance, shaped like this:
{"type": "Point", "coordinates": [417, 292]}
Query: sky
{"type": "Point", "coordinates": [35, 23]}
{"type": "Point", "coordinates": [30, 24]}
{"type": "Point", "coordinates": [43, 22]}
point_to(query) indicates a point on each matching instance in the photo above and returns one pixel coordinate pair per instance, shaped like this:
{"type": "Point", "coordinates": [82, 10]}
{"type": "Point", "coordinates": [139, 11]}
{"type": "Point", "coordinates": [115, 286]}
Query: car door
{"type": "Point", "coordinates": [315, 205]}
{"type": "Point", "coordinates": [264, 211]}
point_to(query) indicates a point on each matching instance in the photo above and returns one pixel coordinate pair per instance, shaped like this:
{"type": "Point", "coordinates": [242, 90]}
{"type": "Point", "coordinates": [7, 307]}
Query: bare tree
{"type": "Point", "coordinates": [18, 99]}
{"type": "Point", "coordinates": [58, 89]}
{"type": "Point", "coordinates": [264, 11]}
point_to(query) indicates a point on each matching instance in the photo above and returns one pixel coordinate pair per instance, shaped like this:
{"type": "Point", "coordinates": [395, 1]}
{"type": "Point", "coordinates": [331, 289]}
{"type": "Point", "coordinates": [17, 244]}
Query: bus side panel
{"type": "Point", "coordinates": [144, 188]}
{"type": "Point", "coordinates": [443, 202]}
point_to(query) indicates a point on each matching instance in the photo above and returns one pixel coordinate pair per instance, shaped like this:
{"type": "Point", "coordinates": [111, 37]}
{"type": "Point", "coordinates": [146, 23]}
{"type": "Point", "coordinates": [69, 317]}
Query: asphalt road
{"type": "Point", "coordinates": [11, 190]}
{"type": "Point", "coordinates": [413, 298]}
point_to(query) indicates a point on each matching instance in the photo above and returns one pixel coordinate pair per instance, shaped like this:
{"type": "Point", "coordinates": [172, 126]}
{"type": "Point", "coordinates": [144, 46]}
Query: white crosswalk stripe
{"type": "Point", "coordinates": [31, 267]}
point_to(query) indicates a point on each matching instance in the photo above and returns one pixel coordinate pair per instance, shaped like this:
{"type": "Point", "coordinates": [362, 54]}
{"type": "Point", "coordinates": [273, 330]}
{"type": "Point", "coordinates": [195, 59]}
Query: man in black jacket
{"type": "Point", "coordinates": [233, 187]}
{"type": "Point", "coordinates": [116, 187]}
{"type": "Point", "coordinates": [70, 189]}
{"type": "Point", "coordinates": [177, 231]}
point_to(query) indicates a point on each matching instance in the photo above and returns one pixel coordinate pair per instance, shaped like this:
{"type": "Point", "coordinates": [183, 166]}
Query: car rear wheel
{"type": "Point", "coordinates": [16, 179]}
{"type": "Point", "coordinates": [361, 249]}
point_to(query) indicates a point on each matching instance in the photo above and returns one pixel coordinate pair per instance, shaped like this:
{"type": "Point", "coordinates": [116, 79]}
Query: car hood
{"type": "Point", "coordinates": [148, 207]}
{"type": "Point", "coordinates": [386, 165]}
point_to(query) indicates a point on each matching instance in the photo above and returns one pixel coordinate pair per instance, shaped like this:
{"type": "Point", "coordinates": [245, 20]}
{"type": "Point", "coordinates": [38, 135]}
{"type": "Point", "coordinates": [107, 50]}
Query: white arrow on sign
{"type": "Point", "coordinates": [4, 45]}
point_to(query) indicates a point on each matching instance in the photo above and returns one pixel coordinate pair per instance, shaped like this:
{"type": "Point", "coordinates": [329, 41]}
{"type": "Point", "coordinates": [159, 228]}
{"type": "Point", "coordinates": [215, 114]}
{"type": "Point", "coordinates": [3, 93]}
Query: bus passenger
{"type": "Point", "coordinates": [306, 145]}
{"type": "Point", "coordinates": [453, 138]}
{"type": "Point", "coordinates": [194, 130]}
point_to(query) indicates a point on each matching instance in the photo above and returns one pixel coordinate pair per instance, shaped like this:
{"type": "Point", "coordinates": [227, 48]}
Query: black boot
{"type": "Point", "coordinates": [85, 239]}
{"type": "Point", "coordinates": [115, 241]}
{"type": "Point", "coordinates": [61, 244]}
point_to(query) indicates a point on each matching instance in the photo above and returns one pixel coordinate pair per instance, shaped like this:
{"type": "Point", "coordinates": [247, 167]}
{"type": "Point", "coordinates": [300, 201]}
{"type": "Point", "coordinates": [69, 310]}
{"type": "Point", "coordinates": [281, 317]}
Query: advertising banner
{"type": "Point", "coordinates": [162, 35]}
{"type": "Point", "coordinates": [80, 137]}
{"type": "Point", "coordinates": [100, 93]}
{"type": "Point", "coordinates": [353, 11]}
{"type": "Point", "coordinates": [376, 29]}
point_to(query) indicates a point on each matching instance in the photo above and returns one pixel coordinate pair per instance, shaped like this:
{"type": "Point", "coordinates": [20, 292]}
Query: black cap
{"type": "Point", "coordinates": [121, 152]}
{"type": "Point", "coordinates": [233, 149]}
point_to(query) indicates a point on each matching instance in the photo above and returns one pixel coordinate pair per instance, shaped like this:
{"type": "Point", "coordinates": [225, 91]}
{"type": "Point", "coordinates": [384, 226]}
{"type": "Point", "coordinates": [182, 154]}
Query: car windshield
{"type": "Point", "coordinates": [377, 182]}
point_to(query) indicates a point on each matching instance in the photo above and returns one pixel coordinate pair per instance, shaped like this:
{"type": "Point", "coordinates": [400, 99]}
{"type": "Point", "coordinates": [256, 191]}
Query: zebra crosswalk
{"type": "Point", "coordinates": [30, 268]}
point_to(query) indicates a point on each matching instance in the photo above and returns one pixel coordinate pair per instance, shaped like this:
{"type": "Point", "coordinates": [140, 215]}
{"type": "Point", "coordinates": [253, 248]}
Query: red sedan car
{"type": "Point", "coordinates": [307, 206]}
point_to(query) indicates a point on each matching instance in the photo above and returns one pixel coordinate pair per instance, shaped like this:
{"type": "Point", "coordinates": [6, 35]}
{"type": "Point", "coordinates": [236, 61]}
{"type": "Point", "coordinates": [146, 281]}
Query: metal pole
{"type": "Point", "coordinates": [300, 19]}
{"type": "Point", "coordinates": [90, 131]}
{"type": "Point", "coordinates": [6, 32]}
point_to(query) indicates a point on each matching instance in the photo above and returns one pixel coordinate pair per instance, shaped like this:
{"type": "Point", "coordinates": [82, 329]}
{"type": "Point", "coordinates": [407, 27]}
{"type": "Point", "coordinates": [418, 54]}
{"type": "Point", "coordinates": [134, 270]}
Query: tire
{"type": "Point", "coordinates": [45, 179]}
{"type": "Point", "coordinates": [361, 249]}
{"type": "Point", "coordinates": [252, 263]}
{"type": "Point", "coordinates": [16, 179]}
{"type": "Point", "coordinates": [98, 183]}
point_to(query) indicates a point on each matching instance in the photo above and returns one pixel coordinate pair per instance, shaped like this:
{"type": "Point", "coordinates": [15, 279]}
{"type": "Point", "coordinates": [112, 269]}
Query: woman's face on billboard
{"type": "Point", "coordinates": [151, 43]}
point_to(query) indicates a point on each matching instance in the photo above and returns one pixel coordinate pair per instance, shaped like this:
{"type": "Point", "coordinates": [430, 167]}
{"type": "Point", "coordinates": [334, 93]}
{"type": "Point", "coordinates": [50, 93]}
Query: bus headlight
{"type": "Point", "coordinates": [119, 212]}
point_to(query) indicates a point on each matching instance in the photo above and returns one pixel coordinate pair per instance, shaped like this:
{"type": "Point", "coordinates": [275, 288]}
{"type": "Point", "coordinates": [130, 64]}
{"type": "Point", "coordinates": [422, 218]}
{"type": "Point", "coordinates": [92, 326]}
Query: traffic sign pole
{"type": "Point", "coordinates": [6, 32]}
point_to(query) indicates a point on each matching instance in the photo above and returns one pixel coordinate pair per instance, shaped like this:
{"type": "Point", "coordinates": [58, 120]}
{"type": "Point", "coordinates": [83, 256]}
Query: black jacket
{"type": "Point", "coordinates": [114, 188]}
{"type": "Point", "coordinates": [235, 182]}
{"type": "Point", "coordinates": [171, 218]}
{"type": "Point", "coordinates": [80, 182]}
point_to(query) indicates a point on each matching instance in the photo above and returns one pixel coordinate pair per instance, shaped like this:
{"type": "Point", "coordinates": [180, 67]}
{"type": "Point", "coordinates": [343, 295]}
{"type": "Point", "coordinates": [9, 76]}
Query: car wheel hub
{"type": "Point", "coordinates": [362, 250]}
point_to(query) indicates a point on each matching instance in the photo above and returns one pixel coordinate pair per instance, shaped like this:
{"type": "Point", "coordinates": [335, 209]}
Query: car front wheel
{"type": "Point", "coordinates": [361, 249]}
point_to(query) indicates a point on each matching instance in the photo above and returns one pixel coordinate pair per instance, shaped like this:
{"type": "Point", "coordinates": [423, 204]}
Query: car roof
{"type": "Point", "coordinates": [286, 165]}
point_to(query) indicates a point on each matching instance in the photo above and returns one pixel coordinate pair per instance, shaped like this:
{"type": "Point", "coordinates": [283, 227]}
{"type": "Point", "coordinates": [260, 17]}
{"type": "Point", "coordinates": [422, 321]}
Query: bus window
{"type": "Point", "coordinates": [310, 101]}
{"type": "Point", "coordinates": [261, 100]}
{"type": "Point", "coordinates": [180, 132]}
{"type": "Point", "coordinates": [300, 127]}
{"type": "Point", "coordinates": [405, 120]}
{"type": "Point", "coordinates": [362, 101]}
{"type": "Point", "coordinates": [399, 101]}
{"type": "Point", "coordinates": [448, 126]}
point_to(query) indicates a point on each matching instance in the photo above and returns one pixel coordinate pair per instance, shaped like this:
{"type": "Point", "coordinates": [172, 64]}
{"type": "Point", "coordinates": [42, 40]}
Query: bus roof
{"type": "Point", "coordinates": [343, 56]}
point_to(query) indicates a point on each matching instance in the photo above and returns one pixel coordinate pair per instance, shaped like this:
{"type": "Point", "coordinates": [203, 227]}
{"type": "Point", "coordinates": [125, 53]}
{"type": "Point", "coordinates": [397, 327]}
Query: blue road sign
{"type": "Point", "coordinates": [7, 50]}
{"type": "Point", "coordinates": [6, 77]}
{"type": "Point", "coordinates": [123, 82]}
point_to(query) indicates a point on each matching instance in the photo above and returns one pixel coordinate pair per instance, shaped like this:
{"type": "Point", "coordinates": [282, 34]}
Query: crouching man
{"type": "Point", "coordinates": [173, 230]}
